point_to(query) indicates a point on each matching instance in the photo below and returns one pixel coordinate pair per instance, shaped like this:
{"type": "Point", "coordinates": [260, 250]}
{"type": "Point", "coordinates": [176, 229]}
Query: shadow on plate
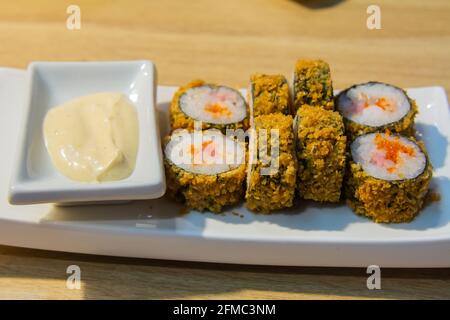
{"type": "Point", "coordinates": [159, 213]}
{"type": "Point", "coordinates": [305, 215]}
{"type": "Point", "coordinates": [162, 111]}
{"type": "Point", "coordinates": [317, 217]}
{"type": "Point", "coordinates": [434, 214]}
{"type": "Point", "coordinates": [435, 142]}
{"type": "Point", "coordinates": [312, 216]}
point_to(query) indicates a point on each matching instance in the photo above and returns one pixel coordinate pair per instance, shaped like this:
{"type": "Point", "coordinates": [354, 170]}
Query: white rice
{"type": "Point", "coordinates": [211, 104]}
{"type": "Point", "coordinates": [373, 160]}
{"type": "Point", "coordinates": [361, 104]}
{"type": "Point", "coordinates": [204, 152]}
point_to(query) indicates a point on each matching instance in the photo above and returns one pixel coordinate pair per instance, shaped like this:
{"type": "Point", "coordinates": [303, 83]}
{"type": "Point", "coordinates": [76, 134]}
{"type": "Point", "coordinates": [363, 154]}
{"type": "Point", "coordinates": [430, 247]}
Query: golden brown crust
{"type": "Point", "coordinates": [269, 94]}
{"type": "Point", "coordinates": [266, 193]}
{"type": "Point", "coordinates": [312, 85]}
{"type": "Point", "coordinates": [321, 153]}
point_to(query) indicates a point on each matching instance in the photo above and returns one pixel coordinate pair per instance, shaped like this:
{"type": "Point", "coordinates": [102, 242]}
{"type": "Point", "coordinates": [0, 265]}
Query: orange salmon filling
{"type": "Point", "coordinates": [393, 149]}
{"type": "Point", "coordinates": [217, 110]}
{"type": "Point", "coordinates": [381, 103]}
{"type": "Point", "coordinates": [205, 144]}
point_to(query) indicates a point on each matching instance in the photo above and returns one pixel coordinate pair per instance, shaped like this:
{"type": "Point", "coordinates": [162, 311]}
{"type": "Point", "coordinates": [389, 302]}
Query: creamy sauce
{"type": "Point", "coordinates": [93, 138]}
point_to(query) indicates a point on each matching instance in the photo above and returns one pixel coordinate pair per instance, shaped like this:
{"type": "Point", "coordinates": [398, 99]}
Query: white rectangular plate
{"type": "Point", "coordinates": [309, 235]}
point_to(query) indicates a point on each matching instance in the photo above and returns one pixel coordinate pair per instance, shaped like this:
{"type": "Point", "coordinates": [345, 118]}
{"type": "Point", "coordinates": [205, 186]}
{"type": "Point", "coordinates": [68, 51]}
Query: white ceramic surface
{"type": "Point", "coordinates": [48, 84]}
{"type": "Point", "coordinates": [309, 235]}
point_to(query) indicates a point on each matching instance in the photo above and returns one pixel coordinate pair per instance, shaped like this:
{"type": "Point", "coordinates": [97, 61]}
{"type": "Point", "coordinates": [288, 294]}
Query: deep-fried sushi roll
{"type": "Point", "coordinates": [205, 170]}
{"type": "Point", "coordinates": [321, 153]}
{"type": "Point", "coordinates": [268, 94]}
{"type": "Point", "coordinates": [272, 167]}
{"type": "Point", "coordinates": [388, 178]}
{"type": "Point", "coordinates": [312, 85]}
{"type": "Point", "coordinates": [218, 107]}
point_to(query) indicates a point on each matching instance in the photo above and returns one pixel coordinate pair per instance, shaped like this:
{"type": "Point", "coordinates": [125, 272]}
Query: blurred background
{"type": "Point", "coordinates": [226, 41]}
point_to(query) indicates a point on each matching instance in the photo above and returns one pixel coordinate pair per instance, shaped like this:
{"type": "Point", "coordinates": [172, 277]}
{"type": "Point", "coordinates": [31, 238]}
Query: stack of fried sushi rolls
{"type": "Point", "coordinates": [321, 152]}
{"type": "Point", "coordinates": [205, 172]}
{"type": "Point", "coordinates": [268, 94]}
{"type": "Point", "coordinates": [375, 106]}
{"type": "Point", "coordinates": [272, 168]}
{"type": "Point", "coordinates": [388, 177]}
{"type": "Point", "coordinates": [216, 106]}
{"type": "Point", "coordinates": [312, 85]}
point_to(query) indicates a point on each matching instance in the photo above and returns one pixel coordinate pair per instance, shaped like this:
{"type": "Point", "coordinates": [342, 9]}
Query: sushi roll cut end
{"type": "Point", "coordinates": [388, 157]}
{"type": "Point", "coordinates": [218, 107]}
{"type": "Point", "coordinates": [389, 177]}
{"type": "Point", "coordinates": [376, 106]}
{"type": "Point", "coordinates": [205, 170]}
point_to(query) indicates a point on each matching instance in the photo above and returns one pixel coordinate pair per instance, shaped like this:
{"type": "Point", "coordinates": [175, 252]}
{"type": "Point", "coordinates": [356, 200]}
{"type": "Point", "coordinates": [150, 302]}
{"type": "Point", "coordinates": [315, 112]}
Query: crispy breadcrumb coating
{"type": "Point", "coordinates": [312, 84]}
{"type": "Point", "coordinates": [268, 94]}
{"type": "Point", "coordinates": [321, 153]}
{"type": "Point", "coordinates": [266, 193]}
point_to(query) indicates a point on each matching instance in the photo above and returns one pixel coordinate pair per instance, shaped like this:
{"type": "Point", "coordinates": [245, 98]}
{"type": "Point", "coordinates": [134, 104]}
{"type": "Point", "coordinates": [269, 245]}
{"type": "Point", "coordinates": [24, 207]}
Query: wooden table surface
{"type": "Point", "coordinates": [225, 41]}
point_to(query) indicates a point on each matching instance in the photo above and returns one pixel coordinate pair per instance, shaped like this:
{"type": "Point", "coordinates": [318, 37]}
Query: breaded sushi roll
{"type": "Point", "coordinates": [205, 170]}
{"type": "Point", "coordinates": [388, 177]}
{"type": "Point", "coordinates": [312, 85]}
{"type": "Point", "coordinates": [375, 106]}
{"type": "Point", "coordinates": [272, 168]}
{"type": "Point", "coordinates": [321, 153]}
{"type": "Point", "coordinates": [218, 107]}
{"type": "Point", "coordinates": [268, 94]}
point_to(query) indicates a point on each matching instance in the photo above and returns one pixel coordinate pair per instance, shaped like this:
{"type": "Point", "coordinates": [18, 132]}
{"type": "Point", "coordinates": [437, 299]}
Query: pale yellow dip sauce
{"type": "Point", "coordinates": [93, 138]}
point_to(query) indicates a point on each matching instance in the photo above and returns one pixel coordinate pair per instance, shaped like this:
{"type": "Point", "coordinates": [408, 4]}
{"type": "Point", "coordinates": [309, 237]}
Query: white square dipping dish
{"type": "Point", "coordinates": [36, 180]}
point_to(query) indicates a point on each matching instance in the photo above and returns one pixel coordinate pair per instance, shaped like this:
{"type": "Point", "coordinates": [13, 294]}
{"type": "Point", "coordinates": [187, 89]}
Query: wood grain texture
{"type": "Point", "coordinates": [225, 41]}
{"type": "Point", "coordinates": [34, 274]}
